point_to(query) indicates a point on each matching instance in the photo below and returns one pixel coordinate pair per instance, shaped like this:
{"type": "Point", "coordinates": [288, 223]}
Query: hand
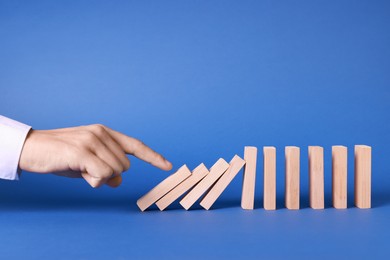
{"type": "Point", "coordinates": [95, 153]}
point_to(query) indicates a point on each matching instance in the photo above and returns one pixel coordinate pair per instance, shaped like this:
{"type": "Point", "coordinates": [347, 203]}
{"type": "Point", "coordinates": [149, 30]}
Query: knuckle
{"type": "Point", "coordinates": [88, 137]}
{"type": "Point", "coordinates": [107, 173]}
{"type": "Point", "coordinates": [118, 169]}
{"type": "Point", "coordinates": [98, 129]}
{"type": "Point", "coordinates": [159, 157]}
{"type": "Point", "coordinates": [138, 144]}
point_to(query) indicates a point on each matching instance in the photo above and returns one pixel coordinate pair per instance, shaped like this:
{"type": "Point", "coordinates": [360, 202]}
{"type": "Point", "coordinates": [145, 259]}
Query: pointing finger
{"type": "Point", "coordinates": [137, 148]}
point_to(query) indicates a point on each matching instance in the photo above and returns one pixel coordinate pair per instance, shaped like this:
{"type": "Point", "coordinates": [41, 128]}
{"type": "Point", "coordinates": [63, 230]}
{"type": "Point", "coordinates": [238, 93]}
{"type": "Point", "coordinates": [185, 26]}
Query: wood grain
{"type": "Point", "coordinates": [269, 192]}
{"type": "Point", "coordinates": [235, 166]}
{"type": "Point", "coordinates": [249, 178]}
{"type": "Point", "coordinates": [215, 173]}
{"type": "Point", "coordinates": [316, 177]}
{"type": "Point", "coordinates": [197, 175]}
{"type": "Point", "coordinates": [363, 176]}
{"type": "Point", "coordinates": [163, 188]}
{"type": "Point", "coordinates": [339, 176]}
{"type": "Point", "coordinates": [292, 154]}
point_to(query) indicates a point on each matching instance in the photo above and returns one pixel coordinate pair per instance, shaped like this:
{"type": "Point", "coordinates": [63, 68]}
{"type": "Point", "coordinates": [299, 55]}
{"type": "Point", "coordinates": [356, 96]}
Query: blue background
{"type": "Point", "coordinates": [197, 80]}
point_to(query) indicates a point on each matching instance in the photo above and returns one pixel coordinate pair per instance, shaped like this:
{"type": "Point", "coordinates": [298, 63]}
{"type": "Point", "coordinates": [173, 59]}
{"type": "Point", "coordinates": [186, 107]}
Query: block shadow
{"type": "Point", "coordinates": [227, 203]}
{"type": "Point", "coordinates": [380, 198]}
{"type": "Point", "coordinates": [33, 201]}
{"type": "Point", "coordinates": [219, 204]}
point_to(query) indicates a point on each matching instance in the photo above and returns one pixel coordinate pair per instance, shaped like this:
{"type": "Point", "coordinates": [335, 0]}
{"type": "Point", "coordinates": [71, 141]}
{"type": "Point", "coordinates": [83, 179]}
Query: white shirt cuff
{"type": "Point", "coordinates": [12, 137]}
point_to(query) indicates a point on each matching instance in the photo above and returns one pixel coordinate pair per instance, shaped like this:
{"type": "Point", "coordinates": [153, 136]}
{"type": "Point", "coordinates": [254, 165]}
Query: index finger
{"type": "Point", "coordinates": [137, 148]}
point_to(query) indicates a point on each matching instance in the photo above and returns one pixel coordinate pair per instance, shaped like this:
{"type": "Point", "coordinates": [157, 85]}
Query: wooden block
{"type": "Point", "coordinates": [339, 176]}
{"type": "Point", "coordinates": [249, 178]}
{"type": "Point", "coordinates": [163, 188]}
{"type": "Point", "coordinates": [316, 177]}
{"type": "Point", "coordinates": [235, 166]}
{"type": "Point", "coordinates": [215, 172]}
{"type": "Point", "coordinates": [197, 175]}
{"type": "Point", "coordinates": [269, 194]}
{"type": "Point", "coordinates": [363, 176]}
{"type": "Point", "coordinates": [292, 154]}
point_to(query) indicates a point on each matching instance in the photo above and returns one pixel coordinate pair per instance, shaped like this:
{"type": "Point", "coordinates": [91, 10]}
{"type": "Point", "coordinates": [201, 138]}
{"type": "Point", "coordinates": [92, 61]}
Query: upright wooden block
{"type": "Point", "coordinates": [197, 175]}
{"type": "Point", "coordinates": [163, 188]}
{"type": "Point", "coordinates": [215, 172]}
{"type": "Point", "coordinates": [269, 194]}
{"type": "Point", "coordinates": [292, 154]}
{"type": "Point", "coordinates": [363, 176]}
{"type": "Point", "coordinates": [316, 177]}
{"type": "Point", "coordinates": [339, 176]}
{"type": "Point", "coordinates": [235, 166]}
{"type": "Point", "coordinates": [249, 178]}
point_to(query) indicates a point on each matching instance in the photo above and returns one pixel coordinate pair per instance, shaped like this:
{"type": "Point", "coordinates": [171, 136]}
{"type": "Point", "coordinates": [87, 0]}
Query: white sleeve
{"type": "Point", "coordinates": [12, 137]}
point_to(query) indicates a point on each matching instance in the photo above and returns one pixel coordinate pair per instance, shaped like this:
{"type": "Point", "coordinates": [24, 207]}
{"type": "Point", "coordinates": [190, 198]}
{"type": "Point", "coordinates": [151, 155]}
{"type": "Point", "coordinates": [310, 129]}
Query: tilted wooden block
{"type": "Point", "coordinates": [197, 175]}
{"type": "Point", "coordinates": [163, 188]}
{"type": "Point", "coordinates": [363, 176]}
{"type": "Point", "coordinates": [215, 172]}
{"type": "Point", "coordinates": [235, 166]}
{"type": "Point", "coordinates": [316, 177]}
{"type": "Point", "coordinates": [269, 192]}
{"type": "Point", "coordinates": [292, 154]}
{"type": "Point", "coordinates": [249, 178]}
{"type": "Point", "coordinates": [339, 176]}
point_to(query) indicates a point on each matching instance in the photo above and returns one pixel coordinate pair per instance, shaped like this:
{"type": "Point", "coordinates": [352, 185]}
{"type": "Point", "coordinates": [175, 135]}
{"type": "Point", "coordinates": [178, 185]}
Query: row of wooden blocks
{"type": "Point", "coordinates": [211, 183]}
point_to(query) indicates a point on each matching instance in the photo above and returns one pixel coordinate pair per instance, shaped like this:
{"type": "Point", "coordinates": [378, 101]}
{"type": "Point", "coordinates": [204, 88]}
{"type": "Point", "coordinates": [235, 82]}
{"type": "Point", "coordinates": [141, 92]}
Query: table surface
{"type": "Point", "coordinates": [197, 81]}
{"type": "Point", "coordinates": [106, 224]}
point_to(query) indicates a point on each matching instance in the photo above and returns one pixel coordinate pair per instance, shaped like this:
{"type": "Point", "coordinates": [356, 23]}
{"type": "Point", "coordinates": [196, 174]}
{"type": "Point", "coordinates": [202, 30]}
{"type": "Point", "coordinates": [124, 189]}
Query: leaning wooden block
{"type": "Point", "coordinates": [363, 176]}
{"type": "Point", "coordinates": [292, 154]}
{"type": "Point", "coordinates": [197, 175]}
{"type": "Point", "coordinates": [316, 177]}
{"type": "Point", "coordinates": [163, 188]}
{"type": "Point", "coordinates": [235, 166]}
{"type": "Point", "coordinates": [269, 193]}
{"type": "Point", "coordinates": [215, 172]}
{"type": "Point", "coordinates": [249, 178]}
{"type": "Point", "coordinates": [339, 176]}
